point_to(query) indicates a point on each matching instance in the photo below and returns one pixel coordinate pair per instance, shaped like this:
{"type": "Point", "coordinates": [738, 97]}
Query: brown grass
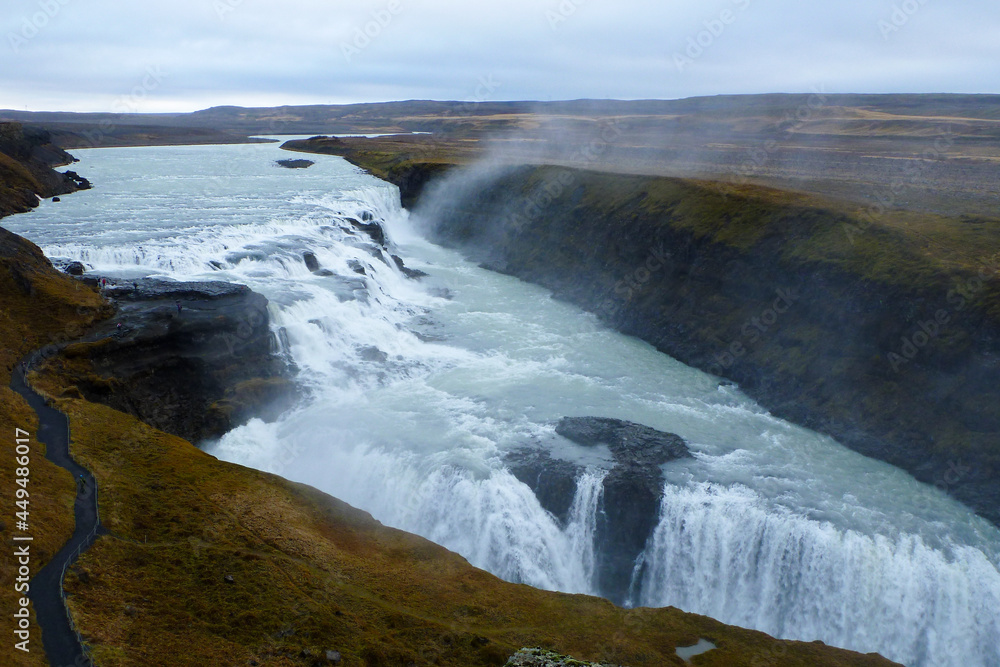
{"type": "Point", "coordinates": [38, 306]}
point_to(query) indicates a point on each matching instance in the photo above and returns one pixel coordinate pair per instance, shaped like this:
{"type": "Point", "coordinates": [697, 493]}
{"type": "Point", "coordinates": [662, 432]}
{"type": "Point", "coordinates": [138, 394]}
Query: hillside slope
{"type": "Point", "coordinates": [38, 307]}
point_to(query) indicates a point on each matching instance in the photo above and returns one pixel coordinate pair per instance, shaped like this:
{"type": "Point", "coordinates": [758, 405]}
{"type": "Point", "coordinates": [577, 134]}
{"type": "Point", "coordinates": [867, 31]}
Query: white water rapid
{"type": "Point", "coordinates": [416, 389]}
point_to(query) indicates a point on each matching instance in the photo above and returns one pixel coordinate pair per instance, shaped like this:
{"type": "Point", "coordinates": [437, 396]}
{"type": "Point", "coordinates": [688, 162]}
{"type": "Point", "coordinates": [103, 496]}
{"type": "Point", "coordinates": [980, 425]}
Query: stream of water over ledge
{"type": "Point", "coordinates": [416, 390]}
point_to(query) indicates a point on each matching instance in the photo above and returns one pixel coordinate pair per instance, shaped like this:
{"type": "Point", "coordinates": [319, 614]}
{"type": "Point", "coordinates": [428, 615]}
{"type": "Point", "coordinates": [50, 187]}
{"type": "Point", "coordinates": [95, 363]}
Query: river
{"type": "Point", "coordinates": [416, 389]}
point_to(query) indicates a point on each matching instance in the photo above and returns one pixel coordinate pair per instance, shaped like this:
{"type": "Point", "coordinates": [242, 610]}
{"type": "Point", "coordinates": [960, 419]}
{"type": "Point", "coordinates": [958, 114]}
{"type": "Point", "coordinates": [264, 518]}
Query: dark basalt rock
{"type": "Point", "coordinates": [80, 182]}
{"type": "Point", "coordinates": [409, 273]}
{"type": "Point", "coordinates": [295, 164]}
{"type": "Point", "coordinates": [633, 489]}
{"type": "Point", "coordinates": [372, 229]}
{"type": "Point", "coordinates": [151, 290]}
{"type": "Point", "coordinates": [373, 354]}
{"type": "Point", "coordinates": [552, 480]}
{"type": "Point", "coordinates": [192, 359]}
{"type": "Point", "coordinates": [631, 504]}
{"type": "Point", "coordinates": [75, 269]}
{"type": "Point", "coordinates": [632, 444]}
{"type": "Point", "coordinates": [349, 289]}
{"type": "Point", "coordinates": [311, 262]}
{"type": "Point", "coordinates": [375, 251]}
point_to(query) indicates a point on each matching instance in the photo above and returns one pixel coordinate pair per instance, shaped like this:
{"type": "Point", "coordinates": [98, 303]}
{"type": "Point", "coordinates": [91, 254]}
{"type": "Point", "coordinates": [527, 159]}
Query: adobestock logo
{"type": "Point", "coordinates": [32, 25]}
{"type": "Point", "coordinates": [562, 13]}
{"type": "Point", "coordinates": [365, 35]}
{"type": "Point", "coordinates": [900, 17]}
{"type": "Point", "coordinates": [754, 329]}
{"type": "Point", "coordinates": [698, 44]}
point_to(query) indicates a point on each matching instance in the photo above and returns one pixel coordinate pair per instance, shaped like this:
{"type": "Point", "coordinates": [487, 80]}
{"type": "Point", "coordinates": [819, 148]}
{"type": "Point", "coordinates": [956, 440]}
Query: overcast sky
{"type": "Point", "coordinates": [183, 55]}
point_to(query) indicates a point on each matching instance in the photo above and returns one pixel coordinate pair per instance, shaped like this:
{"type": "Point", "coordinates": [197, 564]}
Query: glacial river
{"type": "Point", "coordinates": [415, 389]}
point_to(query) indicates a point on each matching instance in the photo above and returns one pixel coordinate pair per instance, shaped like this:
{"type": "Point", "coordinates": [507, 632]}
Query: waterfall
{"type": "Point", "coordinates": [416, 390]}
{"type": "Point", "coordinates": [720, 551]}
{"type": "Point", "coordinates": [582, 525]}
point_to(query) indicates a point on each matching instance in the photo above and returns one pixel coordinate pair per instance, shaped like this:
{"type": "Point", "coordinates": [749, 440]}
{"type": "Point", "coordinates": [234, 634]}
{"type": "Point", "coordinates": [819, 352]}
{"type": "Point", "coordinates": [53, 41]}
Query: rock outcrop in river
{"type": "Point", "coordinates": [633, 489]}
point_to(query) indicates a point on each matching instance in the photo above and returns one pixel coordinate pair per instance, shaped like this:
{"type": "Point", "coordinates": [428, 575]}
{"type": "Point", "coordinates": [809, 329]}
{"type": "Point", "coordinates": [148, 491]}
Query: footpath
{"type": "Point", "coordinates": [63, 645]}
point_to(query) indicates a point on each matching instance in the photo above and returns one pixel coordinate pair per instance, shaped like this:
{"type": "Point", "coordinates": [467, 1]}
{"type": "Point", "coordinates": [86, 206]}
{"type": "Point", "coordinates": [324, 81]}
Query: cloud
{"type": "Point", "coordinates": [85, 55]}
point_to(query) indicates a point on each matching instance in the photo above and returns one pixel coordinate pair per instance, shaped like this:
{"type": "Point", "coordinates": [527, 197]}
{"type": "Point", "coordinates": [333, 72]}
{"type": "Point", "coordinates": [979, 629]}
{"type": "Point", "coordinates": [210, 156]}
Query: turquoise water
{"type": "Point", "coordinates": [770, 526]}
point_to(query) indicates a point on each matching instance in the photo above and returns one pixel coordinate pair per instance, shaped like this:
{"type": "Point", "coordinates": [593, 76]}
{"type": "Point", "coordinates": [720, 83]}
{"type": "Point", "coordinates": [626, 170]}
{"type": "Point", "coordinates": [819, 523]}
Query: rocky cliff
{"type": "Point", "coordinates": [881, 328]}
{"type": "Point", "coordinates": [632, 490]}
{"type": "Point", "coordinates": [27, 161]}
{"type": "Point", "coordinates": [192, 359]}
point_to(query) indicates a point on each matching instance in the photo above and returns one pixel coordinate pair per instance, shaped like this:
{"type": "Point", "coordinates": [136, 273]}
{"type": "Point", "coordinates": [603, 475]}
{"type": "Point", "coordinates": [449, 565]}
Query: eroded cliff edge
{"type": "Point", "coordinates": [194, 359]}
{"type": "Point", "coordinates": [881, 329]}
{"type": "Point", "coordinates": [27, 162]}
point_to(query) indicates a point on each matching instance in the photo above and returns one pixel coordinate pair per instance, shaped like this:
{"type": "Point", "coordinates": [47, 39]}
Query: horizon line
{"type": "Point", "coordinates": [494, 102]}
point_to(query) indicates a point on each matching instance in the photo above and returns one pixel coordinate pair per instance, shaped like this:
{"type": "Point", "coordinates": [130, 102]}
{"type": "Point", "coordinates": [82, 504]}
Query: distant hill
{"type": "Point", "coordinates": [428, 115]}
{"type": "Point", "coordinates": [936, 153]}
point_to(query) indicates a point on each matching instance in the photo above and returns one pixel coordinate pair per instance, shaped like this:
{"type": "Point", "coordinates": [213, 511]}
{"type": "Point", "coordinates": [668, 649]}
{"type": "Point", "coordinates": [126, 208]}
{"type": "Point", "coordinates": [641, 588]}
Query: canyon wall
{"type": "Point", "coordinates": [882, 332]}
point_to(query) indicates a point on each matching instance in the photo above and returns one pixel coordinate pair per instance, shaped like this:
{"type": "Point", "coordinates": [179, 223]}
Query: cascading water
{"type": "Point", "coordinates": [725, 553]}
{"type": "Point", "coordinates": [417, 390]}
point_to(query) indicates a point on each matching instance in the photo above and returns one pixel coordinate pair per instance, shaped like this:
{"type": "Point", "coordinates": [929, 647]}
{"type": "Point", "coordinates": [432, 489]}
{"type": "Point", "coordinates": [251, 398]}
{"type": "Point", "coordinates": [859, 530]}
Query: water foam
{"type": "Point", "coordinates": [412, 400]}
